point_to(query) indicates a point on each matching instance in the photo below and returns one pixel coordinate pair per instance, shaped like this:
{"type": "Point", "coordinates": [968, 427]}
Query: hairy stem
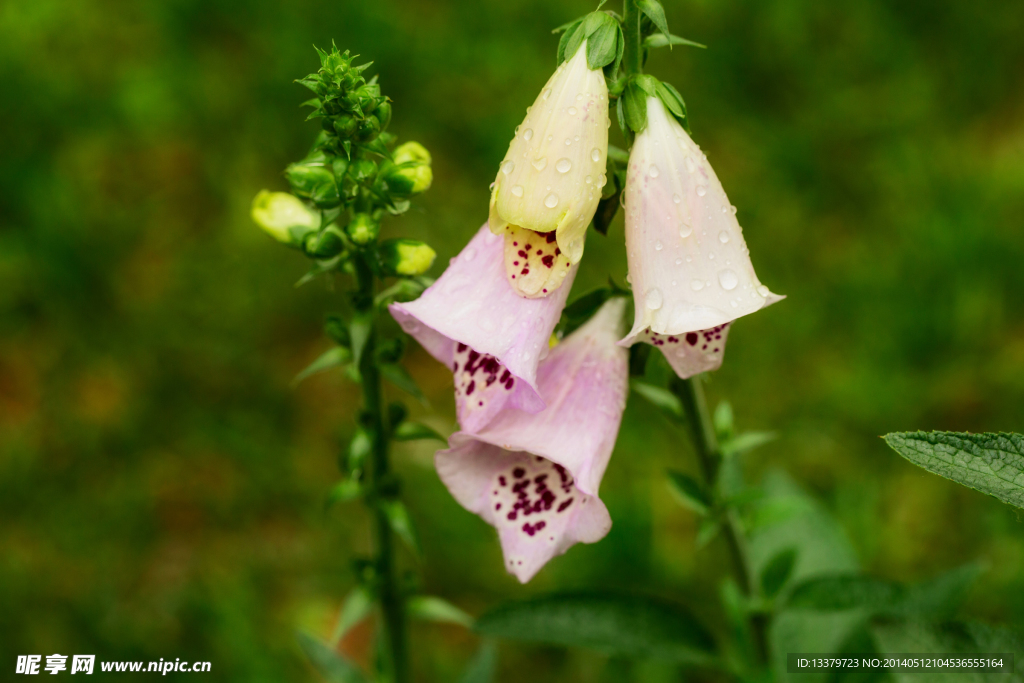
{"type": "Point", "coordinates": [709, 455]}
{"type": "Point", "coordinates": [391, 603]}
{"type": "Point", "coordinates": [631, 53]}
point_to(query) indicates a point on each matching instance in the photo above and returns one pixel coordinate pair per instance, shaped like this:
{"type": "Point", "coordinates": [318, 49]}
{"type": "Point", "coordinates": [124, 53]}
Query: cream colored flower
{"type": "Point", "coordinates": [551, 177]}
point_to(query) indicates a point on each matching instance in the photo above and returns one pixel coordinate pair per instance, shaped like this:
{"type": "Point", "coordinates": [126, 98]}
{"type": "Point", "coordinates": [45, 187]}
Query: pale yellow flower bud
{"type": "Point", "coordinates": [283, 216]}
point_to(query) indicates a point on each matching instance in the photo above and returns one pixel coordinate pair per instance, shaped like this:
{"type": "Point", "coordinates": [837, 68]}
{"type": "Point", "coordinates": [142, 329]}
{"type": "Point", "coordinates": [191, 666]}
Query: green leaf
{"type": "Point", "coordinates": [412, 431]}
{"type": "Point", "coordinates": [723, 420]}
{"type": "Point", "coordinates": [671, 97]}
{"type": "Point", "coordinates": [620, 116]}
{"type": "Point", "coordinates": [430, 608]}
{"type": "Point", "coordinates": [400, 377]}
{"type": "Point", "coordinates": [618, 155]}
{"type": "Point", "coordinates": [741, 443]}
{"type": "Point", "coordinates": [344, 491]}
{"type": "Point", "coordinates": [331, 358]}
{"type": "Point", "coordinates": [401, 523]}
{"type": "Point", "coordinates": [707, 531]}
{"type": "Point", "coordinates": [330, 664]}
{"type": "Point", "coordinates": [662, 40]}
{"type": "Point", "coordinates": [656, 13]}
{"type": "Point", "coordinates": [634, 105]}
{"type": "Point", "coordinates": [572, 38]}
{"type": "Point", "coordinates": [563, 42]}
{"type": "Point", "coordinates": [688, 492]}
{"type": "Point", "coordinates": [990, 463]}
{"type": "Point", "coordinates": [359, 449]}
{"type": "Point", "coordinates": [663, 399]}
{"type": "Point", "coordinates": [483, 666]}
{"type": "Point", "coordinates": [777, 571]}
{"type": "Point", "coordinates": [630, 626]}
{"type": "Point", "coordinates": [580, 310]}
{"type": "Point", "coordinates": [601, 43]}
{"type": "Point", "coordinates": [359, 330]}
{"type": "Point", "coordinates": [357, 607]}
{"type": "Point", "coordinates": [607, 207]}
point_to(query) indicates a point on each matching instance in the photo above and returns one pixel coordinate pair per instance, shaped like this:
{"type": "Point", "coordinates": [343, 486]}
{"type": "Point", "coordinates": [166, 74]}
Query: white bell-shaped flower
{"type": "Point", "coordinates": [551, 177]}
{"type": "Point", "coordinates": [688, 263]}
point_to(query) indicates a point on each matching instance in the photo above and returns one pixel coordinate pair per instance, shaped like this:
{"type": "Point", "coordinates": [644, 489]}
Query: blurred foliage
{"type": "Point", "coordinates": [162, 487]}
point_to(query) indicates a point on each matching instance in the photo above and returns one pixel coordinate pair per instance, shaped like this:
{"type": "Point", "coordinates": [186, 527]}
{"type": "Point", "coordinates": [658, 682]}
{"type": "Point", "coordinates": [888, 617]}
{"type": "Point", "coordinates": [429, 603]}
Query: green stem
{"type": "Point", "coordinates": [631, 53]}
{"type": "Point", "coordinates": [391, 601]}
{"type": "Point", "coordinates": [709, 456]}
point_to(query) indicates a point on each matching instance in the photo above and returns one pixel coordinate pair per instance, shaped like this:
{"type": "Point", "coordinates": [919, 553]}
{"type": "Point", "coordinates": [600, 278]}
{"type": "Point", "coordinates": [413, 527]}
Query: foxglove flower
{"type": "Point", "coordinates": [550, 180]}
{"type": "Point", "coordinates": [688, 263]}
{"type": "Point", "coordinates": [535, 478]}
{"type": "Point", "coordinates": [491, 337]}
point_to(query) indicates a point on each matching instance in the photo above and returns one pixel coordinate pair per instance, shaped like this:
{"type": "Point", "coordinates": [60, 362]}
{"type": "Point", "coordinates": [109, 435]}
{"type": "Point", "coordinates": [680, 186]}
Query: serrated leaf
{"type": "Point", "coordinates": [777, 571]}
{"type": "Point", "coordinates": [357, 607]}
{"type": "Point", "coordinates": [482, 667]}
{"type": "Point", "coordinates": [988, 462]}
{"type": "Point", "coordinates": [623, 625]}
{"type": "Point", "coordinates": [331, 358]}
{"type": "Point", "coordinates": [663, 399]}
{"type": "Point", "coordinates": [412, 431]}
{"type": "Point", "coordinates": [400, 377]}
{"type": "Point", "coordinates": [688, 492]}
{"type": "Point", "coordinates": [401, 523]}
{"type": "Point", "coordinates": [741, 443]}
{"type": "Point", "coordinates": [656, 13]}
{"type": "Point", "coordinates": [430, 608]}
{"type": "Point", "coordinates": [662, 40]}
{"type": "Point", "coordinates": [330, 664]}
{"type": "Point", "coordinates": [344, 491]}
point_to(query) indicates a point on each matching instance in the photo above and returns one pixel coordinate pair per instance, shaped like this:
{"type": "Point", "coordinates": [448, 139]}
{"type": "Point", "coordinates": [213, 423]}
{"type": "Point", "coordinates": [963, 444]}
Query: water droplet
{"type": "Point", "coordinates": [677, 199]}
{"type": "Point", "coordinates": [689, 258]}
{"type": "Point", "coordinates": [711, 256]}
{"type": "Point", "coordinates": [539, 164]}
{"type": "Point", "coordinates": [603, 181]}
{"type": "Point", "coordinates": [491, 186]}
{"type": "Point", "coordinates": [763, 291]}
{"type": "Point", "coordinates": [723, 237]}
{"type": "Point", "coordinates": [529, 108]}
{"type": "Point", "coordinates": [685, 230]}
{"type": "Point", "coordinates": [528, 134]}
{"type": "Point", "coordinates": [563, 165]}
{"type": "Point", "coordinates": [653, 299]}
{"type": "Point", "coordinates": [701, 190]}
{"type": "Point", "coordinates": [733, 210]}
{"type": "Point", "coordinates": [727, 278]}
{"type": "Point", "coordinates": [469, 254]}
{"type": "Point", "coordinates": [691, 165]}
{"type": "Point", "coordinates": [572, 111]}
{"type": "Point", "coordinates": [546, 94]}
{"type": "Point", "coordinates": [551, 201]}
{"type": "Point", "coordinates": [596, 154]}
{"type": "Point", "coordinates": [653, 171]}
{"type": "Point", "coordinates": [568, 141]}
{"type": "Point", "coordinates": [517, 190]}
{"type": "Point", "coordinates": [629, 280]}
{"type": "Point", "coordinates": [579, 97]}
{"type": "Point", "coordinates": [575, 138]}
{"type": "Point", "coordinates": [658, 246]}
{"type": "Point", "coordinates": [588, 180]}
{"type": "Point", "coordinates": [679, 261]}
{"type": "Point", "coordinates": [696, 285]}
{"type": "Point", "coordinates": [508, 167]}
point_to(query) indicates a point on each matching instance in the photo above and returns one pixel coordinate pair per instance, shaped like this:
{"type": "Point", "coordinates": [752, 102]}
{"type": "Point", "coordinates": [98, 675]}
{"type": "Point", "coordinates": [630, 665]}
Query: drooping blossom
{"type": "Point", "coordinates": [550, 180]}
{"type": "Point", "coordinates": [492, 337]}
{"type": "Point", "coordinates": [688, 263]}
{"type": "Point", "coordinates": [535, 478]}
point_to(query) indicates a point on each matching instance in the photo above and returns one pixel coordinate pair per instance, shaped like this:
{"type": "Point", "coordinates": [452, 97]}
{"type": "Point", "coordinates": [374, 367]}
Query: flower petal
{"type": "Point", "coordinates": [534, 263]}
{"type": "Point", "coordinates": [472, 304]}
{"type": "Point", "coordinates": [688, 262]}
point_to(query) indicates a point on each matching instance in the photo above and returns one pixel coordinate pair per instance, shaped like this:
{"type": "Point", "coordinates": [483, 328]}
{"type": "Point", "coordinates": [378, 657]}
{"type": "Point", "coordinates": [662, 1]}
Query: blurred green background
{"type": "Point", "coordinates": [162, 486]}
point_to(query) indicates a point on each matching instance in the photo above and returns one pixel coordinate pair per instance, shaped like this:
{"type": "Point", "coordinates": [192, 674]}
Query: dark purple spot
{"type": "Point", "coordinates": [502, 480]}
{"type": "Point", "coordinates": [691, 338]}
{"type": "Point", "coordinates": [518, 473]}
{"type": "Point", "coordinates": [526, 271]}
{"type": "Point", "coordinates": [512, 515]}
{"type": "Point", "coordinates": [472, 386]}
{"type": "Point", "coordinates": [550, 237]}
{"type": "Point", "coordinates": [497, 506]}
{"type": "Point", "coordinates": [564, 505]}
{"type": "Point", "coordinates": [548, 260]}
{"type": "Point", "coordinates": [462, 347]}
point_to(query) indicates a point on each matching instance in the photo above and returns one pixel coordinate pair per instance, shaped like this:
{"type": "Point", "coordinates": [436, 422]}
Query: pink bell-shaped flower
{"type": "Point", "coordinates": [535, 478]}
{"type": "Point", "coordinates": [688, 263]}
{"type": "Point", "coordinates": [492, 337]}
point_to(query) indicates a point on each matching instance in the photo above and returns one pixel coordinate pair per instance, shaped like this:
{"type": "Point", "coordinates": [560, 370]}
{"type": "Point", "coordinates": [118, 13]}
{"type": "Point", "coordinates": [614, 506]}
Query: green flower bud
{"type": "Point", "coordinates": [383, 114]}
{"type": "Point", "coordinates": [363, 229]}
{"type": "Point", "coordinates": [363, 169]}
{"type": "Point", "coordinates": [283, 217]}
{"type": "Point", "coordinates": [368, 129]}
{"type": "Point", "coordinates": [337, 330]}
{"type": "Point", "coordinates": [346, 126]}
{"type": "Point", "coordinates": [312, 179]}
{"type": "Point", "coordinates": [324, 245]}
{"type": "Point", "coordinates": [411, 173]}
{"type": "Point", "coordinates": [406, 257]}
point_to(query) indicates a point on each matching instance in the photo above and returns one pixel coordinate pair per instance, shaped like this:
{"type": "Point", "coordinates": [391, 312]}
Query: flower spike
{"type": "Point", "coordinates": [535, 478]}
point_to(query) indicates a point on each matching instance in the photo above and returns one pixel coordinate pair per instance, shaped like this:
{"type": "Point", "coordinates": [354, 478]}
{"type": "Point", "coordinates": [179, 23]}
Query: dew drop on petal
{"type": "Point", "coordinates": [653, 171]}
{"type": "Point", "coordinates": [491, 186]}
{"type": "Point", "coordinates": [629, 280]}
{"type": "Point", "coordinates": [528, 134]}
{"type": "Point", "coordinates": [723, 237]}
{"type": "Point", "coordinates": [763, 291]}
{"type": "Point", "coordinates": [701, 190]}
{"type": "Point", "coordinates": [517, 190]}
{"type": "Point", "coordinates": [653, 300]}
{"type": "Point", "coordinates": [596, 154]}
{"type": "Point", "coordinates": [551, 201]}
{"type": "Point", "coordinates": [546, 94]}
{"type": "Point", "coordinates": [685, 230]}
{"type": "Point", "coordinates": [539, 164]}
{"type": "Point", "coordinates": [568, 141]}
{"type": "Point", "coordinates": [588, 180]}
{"type": "Point", "coordinates": [733, 210]}
{"type": "Point", "coordinates": [508, 167]}
{"type": "Point", "coordinates": [572, 111]}
{"type": "Point", "coordinates": [679, 261]}
{"type": "Point", "coordinates": [677, 199]}
{"type": "Point", "coordinates": [727, 278]}
{"type": "Point", "coordinates": [658, 246]}
{"type": "Point", "coordinates": [563, 165]}
{"type": "Point", "coordinates": [603, 181]}
{"type": "Point", "coordinates": [697, 285]}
